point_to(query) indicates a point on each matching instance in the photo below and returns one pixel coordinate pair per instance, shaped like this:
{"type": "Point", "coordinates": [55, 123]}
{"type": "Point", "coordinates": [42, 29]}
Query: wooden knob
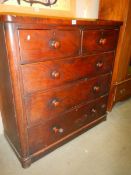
{"type": "Point", "coordinates": [102, 41]}
{"type": "Point", "coordinates": [54, 44]}
{"type": "Point", "coordinates": [85, 115]}
{"type": "Point", "coordinates": [122, 91]}
{"type": "Point", "coordinates": [96, 89]}
{"type": "Point", "coordinates": [57, 129]}
{"type": "Point", "coordinates": [99, 64]}
{"type": "Point", "coordinates": [55, 102]}
{"type": "Point", "coordinates": [61, 130]}
{"type": "Point", "coordinates": [103, 106]}
{"type": "Point", "coordinates": [55, 74]}
{"type": "Point", "coordinates": [93, 110]}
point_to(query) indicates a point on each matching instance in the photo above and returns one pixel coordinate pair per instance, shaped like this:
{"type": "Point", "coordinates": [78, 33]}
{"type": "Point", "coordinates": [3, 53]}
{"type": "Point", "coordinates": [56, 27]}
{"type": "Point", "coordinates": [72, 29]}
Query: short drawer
{"type": "Point", "coordinates": [95, 41]}
{"type": "Point", "coordinates": [49, 74]}
{"type": "Point", "coordinates": [50, 104]}
{"type": "Point", "coordinates": [123, 90]}
{"type": "Point", "coordinates": [52, 131]}
{"type": "Point", "coordinates": [48, 44]}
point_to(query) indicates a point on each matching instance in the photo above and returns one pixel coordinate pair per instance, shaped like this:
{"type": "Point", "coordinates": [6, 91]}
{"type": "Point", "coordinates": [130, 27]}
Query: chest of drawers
{"type": "Point", "coordinates": [55, 79]}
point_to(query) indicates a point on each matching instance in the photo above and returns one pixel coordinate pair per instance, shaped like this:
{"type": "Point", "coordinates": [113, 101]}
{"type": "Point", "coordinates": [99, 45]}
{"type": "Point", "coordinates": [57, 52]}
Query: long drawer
{"type": "Point", "coordinates": [44, 106]}
{"type": "Point", "coordinates": [49, 74]}
{"type": "Point", "coordinates": [44, 135]}
{"type": "Point", "coordinates": [48, 44]}
{"type": "Point", "coordinates": [96, 41]}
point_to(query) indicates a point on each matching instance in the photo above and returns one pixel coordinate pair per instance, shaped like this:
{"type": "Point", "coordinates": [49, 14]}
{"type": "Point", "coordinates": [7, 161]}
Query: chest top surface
{"type": "Point", "coordinates": [58, 21]}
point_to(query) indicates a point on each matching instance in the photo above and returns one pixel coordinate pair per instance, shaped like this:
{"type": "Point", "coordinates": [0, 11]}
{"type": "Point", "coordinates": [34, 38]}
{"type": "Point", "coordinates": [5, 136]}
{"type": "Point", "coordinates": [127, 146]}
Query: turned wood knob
{"type": "Point", "coordinates": [93, 110]}
{"type": "Point", "coordinates": [122, 91]}
{"type": "Point", "coordinates": [85, 115]}
{"type": "Point", "coordinates": [57, 130]}
{"type": "Point", "coordinates": [102, 41]}
{"type": "Point", "coordinates": [54, 44]}
{"type": "Point", "coordinates": [55, 102]}
{"type": "Point", "coordinates": [96, 89]}
{"type": "Point", "coordinates": [55, 74]}
{"type": "Point", "coordinates": [99, 64]}
{"type": "Point", "coordinates": [103, 106]}
{"type": "Point", "coordinates": [61, 130]}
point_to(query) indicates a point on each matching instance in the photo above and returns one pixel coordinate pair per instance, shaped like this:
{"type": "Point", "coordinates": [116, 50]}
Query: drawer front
{"type": "Point", "coordinates": [51, 103]}
{"type": "Point", "coordinates": [44, 135]}
{"type": "Point", "coordinates": [95, 41]}
{"type": "Point", "coordinates": [49, 74]}
{"type": "Point", "coordinates": [123, 91]}
{"type": "Point", "coordinates": [40, 45]}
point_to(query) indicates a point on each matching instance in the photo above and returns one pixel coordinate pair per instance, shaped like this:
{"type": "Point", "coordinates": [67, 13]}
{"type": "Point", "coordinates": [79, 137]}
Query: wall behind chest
{"type": "Point", "coordinates": [87, 8]}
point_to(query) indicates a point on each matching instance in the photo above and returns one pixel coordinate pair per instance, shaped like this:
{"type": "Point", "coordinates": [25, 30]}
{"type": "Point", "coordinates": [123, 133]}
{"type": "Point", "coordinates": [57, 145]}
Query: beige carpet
{"type": "Point", "coordinates": [103, 150]}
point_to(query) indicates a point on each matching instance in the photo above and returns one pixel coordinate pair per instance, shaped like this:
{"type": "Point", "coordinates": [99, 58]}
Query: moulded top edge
{"type": "Point", "coordinates": [56, 20]}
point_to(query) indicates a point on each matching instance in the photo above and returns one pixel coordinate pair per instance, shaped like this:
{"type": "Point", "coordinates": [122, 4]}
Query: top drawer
{"type": "Point", "coordinates": [95, 41]}
{"type": "Point", "coordinates": [47, 44]}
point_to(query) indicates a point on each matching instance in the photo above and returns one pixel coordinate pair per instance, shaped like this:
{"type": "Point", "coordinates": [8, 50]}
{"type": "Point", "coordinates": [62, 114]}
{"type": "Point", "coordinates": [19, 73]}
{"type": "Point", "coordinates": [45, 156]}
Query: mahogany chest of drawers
{"type": "Point", "coordinates": [55, 79]}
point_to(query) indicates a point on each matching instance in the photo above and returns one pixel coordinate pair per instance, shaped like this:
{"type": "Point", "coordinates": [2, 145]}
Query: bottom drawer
{"type": "Point", "coordinates": [50, 132]}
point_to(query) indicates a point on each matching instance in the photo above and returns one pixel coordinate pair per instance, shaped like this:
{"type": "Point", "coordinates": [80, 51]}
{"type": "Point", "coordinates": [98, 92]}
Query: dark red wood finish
{"type": "Point", "coordinates": [57, 21]}
{"type": "Point", "coordinates": [54, 81]}
{"type": "Point", "coordinates": [46, 44]}
{"type": "Point", "coordinates": [7, 103]}
{"type": "Point", "coordinates": [57, 128]}
{"type": "Point", "coordinates": [49, 104]}
{"type": "Point", "coordinates": [123, 90]}
{"type": "Point", "coordinates": [95, 41]}
{"type": "Point", "coordinates": [50, 74]}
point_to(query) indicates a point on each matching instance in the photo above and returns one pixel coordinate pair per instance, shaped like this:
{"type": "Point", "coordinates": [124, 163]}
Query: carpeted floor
{"type": "Point", "coordinates": [103, 150]}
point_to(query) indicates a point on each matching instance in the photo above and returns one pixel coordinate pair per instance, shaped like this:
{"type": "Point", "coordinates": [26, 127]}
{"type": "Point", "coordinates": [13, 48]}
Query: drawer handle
{"type": "Point", "coordinates": [55, 102]}
{"type": "Point", "coordinates": [54, 44]}
{"type": "Point", "coordinates": [103, 106]}
{"type": "Point", "coordinates": [57, 130]}
{"type": "Point", "coordinates": [102, 41]}
{"type": "Point", "coordinates": [28, 37]}
{"type": "Point", "coordinates": [99, 64]}
{"type": "Point", "coordinates": [96, 89]}
{"type": "Point", "coordinates": [122, 91]}
{"type": "Point", "coordinates": [55, 74]}
{"type": "Point", "coordinates": [93, 110]}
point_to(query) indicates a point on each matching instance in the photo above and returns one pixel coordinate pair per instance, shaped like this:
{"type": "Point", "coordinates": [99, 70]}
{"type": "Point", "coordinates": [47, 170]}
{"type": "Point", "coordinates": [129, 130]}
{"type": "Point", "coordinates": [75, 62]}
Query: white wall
{"type": "Point", "coordinates": [87, 8]}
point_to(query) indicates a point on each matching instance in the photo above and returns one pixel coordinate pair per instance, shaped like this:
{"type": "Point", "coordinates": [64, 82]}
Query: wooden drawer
{"type": "Point", "coordinates": [49, 74]}
{"type": "Point", "coordinates": [95, 41]}
{"type": "Point", "coordinates": [123, 90]}
{"type": "Point", "coordinates": [50, 104]}
{"type": "Point", "coordinates": [44, 135]}
{"type": "Point", "coordinates": [40, 45]}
